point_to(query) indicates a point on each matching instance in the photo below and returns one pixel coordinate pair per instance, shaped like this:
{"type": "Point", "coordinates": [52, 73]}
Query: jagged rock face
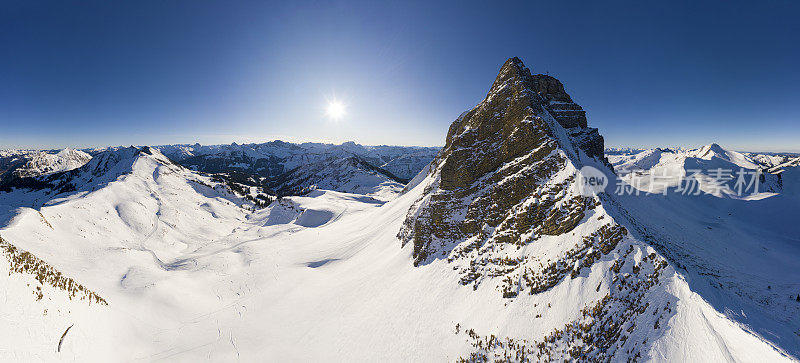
{"type": "Point", "coordinates": [502, 127]}
{"type": "Point", "coordinates": [590, 141]}
{"type": "Point", "coordinates": [568, 113]}
{"type": "Point", "coordinates": [510, 118]}
{"type": "Point", "coordinates": [502, 177]}
{"type": "Point", "coordinates": [500, 205]}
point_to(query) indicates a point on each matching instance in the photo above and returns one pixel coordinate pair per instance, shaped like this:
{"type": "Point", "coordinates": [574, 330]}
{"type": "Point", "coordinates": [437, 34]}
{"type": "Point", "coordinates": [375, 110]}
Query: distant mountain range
{"type": "Point", "coordinates": [27, 163]}
{"type": "Point", "coordinates": [285, 168]}
{"type": "Point", "coordinates": [654, 170]}
{"type": "Point", "coordinates": [290, 168]}
{"type": "Point", "coordinates": [764, 160]}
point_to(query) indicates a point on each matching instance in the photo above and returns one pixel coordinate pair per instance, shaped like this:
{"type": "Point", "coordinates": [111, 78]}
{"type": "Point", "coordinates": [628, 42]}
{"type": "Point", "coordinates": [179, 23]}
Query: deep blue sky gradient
{"type": "Point", "coordinates": [96, 73]}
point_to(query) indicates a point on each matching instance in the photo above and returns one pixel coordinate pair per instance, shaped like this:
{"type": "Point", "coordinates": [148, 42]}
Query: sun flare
{"type": "Point", "coordinates": [335, 110]}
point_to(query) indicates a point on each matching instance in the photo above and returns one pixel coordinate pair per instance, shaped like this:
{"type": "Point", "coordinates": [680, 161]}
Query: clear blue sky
{"type": "Point", "coordinates": [95, 73]}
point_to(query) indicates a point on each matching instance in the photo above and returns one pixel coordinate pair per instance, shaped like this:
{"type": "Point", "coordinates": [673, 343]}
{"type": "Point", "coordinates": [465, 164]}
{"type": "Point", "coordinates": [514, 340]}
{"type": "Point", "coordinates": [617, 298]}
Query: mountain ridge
{"type": "Point", "coordinates": [515, 222]}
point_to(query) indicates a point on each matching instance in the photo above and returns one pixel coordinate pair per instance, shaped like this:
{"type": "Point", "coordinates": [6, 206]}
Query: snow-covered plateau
{"type": "Point", "coordinates": [489, 253]}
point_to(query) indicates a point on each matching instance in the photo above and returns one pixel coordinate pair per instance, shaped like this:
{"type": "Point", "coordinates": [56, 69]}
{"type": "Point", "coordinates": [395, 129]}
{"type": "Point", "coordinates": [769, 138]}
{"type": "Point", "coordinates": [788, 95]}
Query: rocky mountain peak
{"type": "Point", "coordinates": [506, 172]}
{"type": "Point", "coordinates": [550, 87]}
{"type": "Point", "coordinates": [515, 89]}
{"type": "Point", "coordinates": [511, 120]}
{"type": "Point", "coordinates": [514, 71]}
{"type": "Point", "coordinates": [502, 206]}
{"type": "Point", "coordinates": [498, 129]}
{"type": "Point", "coordinates": [712, 148]}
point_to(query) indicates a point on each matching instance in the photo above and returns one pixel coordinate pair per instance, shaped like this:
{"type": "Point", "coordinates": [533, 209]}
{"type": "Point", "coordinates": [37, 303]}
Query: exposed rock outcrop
{"type": "Point", "coordinates": [502, 204]}
{"type": "Point", "coordinates": [569, 114]}
{"type": "Point", "coordinates": [503, 175]}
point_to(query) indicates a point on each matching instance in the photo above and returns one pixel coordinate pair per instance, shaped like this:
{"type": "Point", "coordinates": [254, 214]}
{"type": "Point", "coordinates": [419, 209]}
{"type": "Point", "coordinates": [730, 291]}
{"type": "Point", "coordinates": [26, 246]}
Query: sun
{"type": "Point", "coordinates": [335, 110]}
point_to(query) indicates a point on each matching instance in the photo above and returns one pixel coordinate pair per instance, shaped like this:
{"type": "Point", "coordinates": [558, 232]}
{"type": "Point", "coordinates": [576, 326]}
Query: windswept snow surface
{"type": "Point", "coordinates": [189, 275]}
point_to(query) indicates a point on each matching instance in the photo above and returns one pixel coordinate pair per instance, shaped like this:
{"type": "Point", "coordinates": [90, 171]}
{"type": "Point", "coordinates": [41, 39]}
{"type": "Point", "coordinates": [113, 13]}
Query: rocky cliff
{"type": "Point", "coordinates": [507, 169]}
{"type": "Point", "coordinates": [501, 204]}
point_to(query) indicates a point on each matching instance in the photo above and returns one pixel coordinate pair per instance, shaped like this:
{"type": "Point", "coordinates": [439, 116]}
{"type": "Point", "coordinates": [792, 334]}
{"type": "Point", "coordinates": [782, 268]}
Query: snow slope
{"type": "Point", "coordinates": [739, 255]}
{"type": "Point", "coordinates": [132, 209]}
{"type": "Point", "coordinates": [44, 321]}
{"type": "Point", "coordinates": [189, 272]}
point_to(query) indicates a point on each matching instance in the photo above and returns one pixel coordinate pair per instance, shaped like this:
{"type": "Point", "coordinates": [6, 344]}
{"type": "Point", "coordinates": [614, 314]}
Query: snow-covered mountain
{"type": "Point", "coordinates": [350, 174]}
{"type": "Point", "coordinates": [495, 251]}
{"type": "Point", "coordinates": [29, 163]}
{"type": "Point", "coordinates": [771, 160]}
{"type": "Point", "coordinates": [288, 167]}
{"type": "Point", "coordinates": [104, 168]}
{"type": "Point", "coordinates": [284, 167]}
{"type": "Point", "coordinates": [710, 169]}
{"type": "Point", "coordinates": [274, 158]}
{"type": "Point", "coordinates": [764, 160]}
{"type": "Point", "coordinates": [10, 160]}
{"type": "Point", "coordinates": [43, 163]}
{"type": "Point", "coordinates": [786, 163]}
